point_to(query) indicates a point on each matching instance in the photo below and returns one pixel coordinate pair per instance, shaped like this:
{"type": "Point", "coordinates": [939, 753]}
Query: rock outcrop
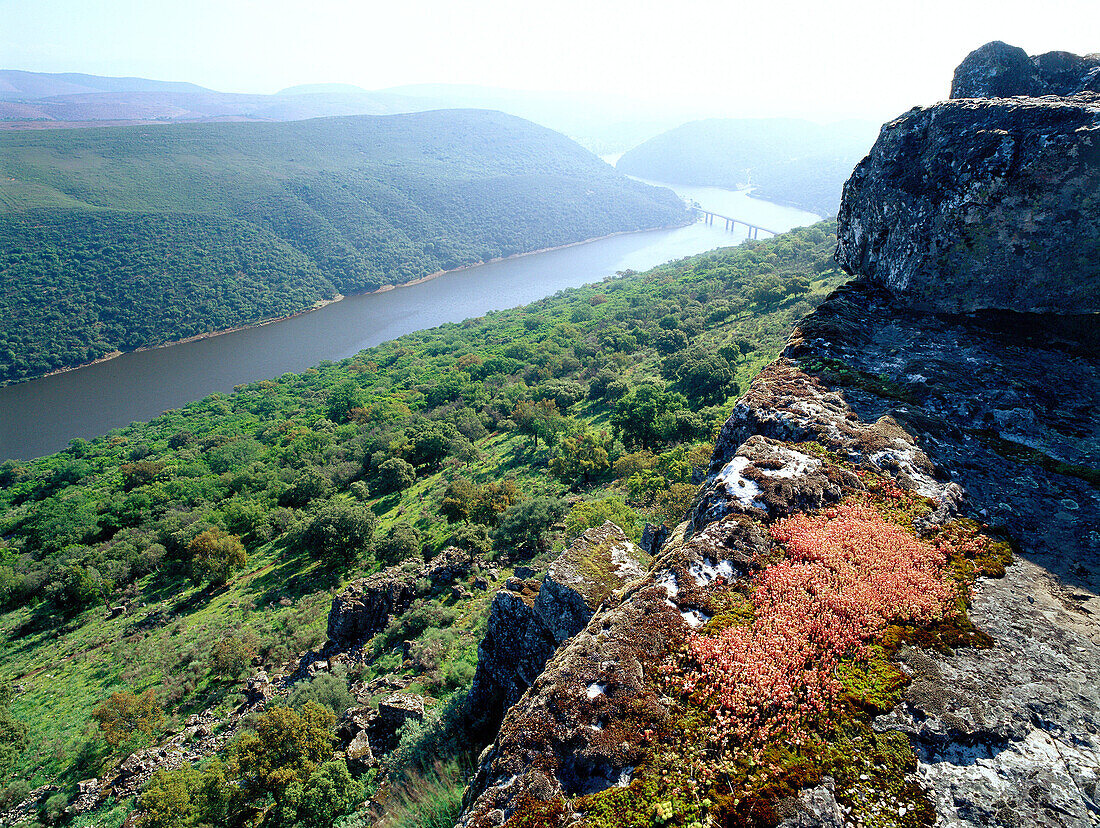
{"type": "Point", "coordinates": [528, 620]}
{"type": "Point", "coordinates": [366, 606]}
{"type": "Point", "coordinates": [979, 204]}
{"type": "Point", "coordinates": [997, 70]}
{"type": "Point", "coordinates": [990, 416]}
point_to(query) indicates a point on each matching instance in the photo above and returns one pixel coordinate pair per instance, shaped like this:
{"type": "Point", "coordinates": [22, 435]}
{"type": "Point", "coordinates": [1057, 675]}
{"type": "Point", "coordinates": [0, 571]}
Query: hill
{"type": "Point", "coordinates": [785, 160]}
{"type": "Point", "coordinates": [322, 88]}
{"type": "Point", "coordinates": [16, 84]}
{"type": "Point", "coordinates": [121, 237]}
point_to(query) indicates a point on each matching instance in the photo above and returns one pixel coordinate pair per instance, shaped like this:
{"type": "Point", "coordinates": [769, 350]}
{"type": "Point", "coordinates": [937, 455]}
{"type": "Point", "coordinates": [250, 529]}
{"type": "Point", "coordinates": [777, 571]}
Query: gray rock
{"type": "Point", "coordinates": [997, 70]}
{"type": "Point", "coordinates": [981, 204]}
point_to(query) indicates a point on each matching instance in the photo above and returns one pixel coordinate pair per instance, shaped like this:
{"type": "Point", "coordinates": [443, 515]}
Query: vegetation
{"type": "Point", "coordinates": [120, 237]}
{"type": "Point", "coordinates": [97, 563]}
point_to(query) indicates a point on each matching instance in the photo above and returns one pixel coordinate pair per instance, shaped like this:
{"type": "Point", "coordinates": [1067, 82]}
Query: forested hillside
{"type": "Point", "coordinates": [785, 160]}
{"type": "Point", "coordinates": [143, 574]}
{"type": "Point", "coordinates": [114, 238]}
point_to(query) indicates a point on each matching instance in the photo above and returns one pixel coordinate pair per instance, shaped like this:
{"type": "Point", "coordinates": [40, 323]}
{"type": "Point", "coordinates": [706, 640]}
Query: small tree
{"type": "Point", "coordinates": [215, 556]}
{"type": "Point", "coordinates": [125, 714]}
{"type": "Point", "coordinates": [526, 525]}
{"type": "Point", "coordinates": [401, 542]}
{"type": "Point", "coordinates": [285, 748]}
{"type": "Point", "coordinates": [339, 532]}
{"type": "Point", "coordinates": [395, 475]}
{"type": "Point", "coordinates": [473, 537]}
{"type": "Point", "coordinates": [582, 456]}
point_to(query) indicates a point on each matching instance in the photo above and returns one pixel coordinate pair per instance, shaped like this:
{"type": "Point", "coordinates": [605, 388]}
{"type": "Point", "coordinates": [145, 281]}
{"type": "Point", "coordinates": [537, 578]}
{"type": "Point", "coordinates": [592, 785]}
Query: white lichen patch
{"type": "Point", "coordinates": [705, 573]}
{"type": "Point", "coordinates": [595, 689]}
{"type": "Point", "coordinates": [795, 463]}
{"type": "Point", "coordinates": [626, 564]}
{"type": "Point", "coordinates": [739, 487]}
{"type": "Point", "coordinates": [668, 581]}
{"type": "Point", "coordinates": [904, 460]}
{"type": "Point", "coordinates": [625, 775]}
{"type": "Point", "coordinates": [694, 618]}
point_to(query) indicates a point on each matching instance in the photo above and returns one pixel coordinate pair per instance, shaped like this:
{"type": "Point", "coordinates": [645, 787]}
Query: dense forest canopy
{"type": "Point", "coordinates": [217, 533]}
{"type": "Point", "coordinates": [785, 160]}
{"type": "Point", "coordinates": [114, 238]}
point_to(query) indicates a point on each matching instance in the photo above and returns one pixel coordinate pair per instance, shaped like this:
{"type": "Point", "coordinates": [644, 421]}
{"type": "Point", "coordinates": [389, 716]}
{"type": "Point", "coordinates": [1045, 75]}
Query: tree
{"type": "Point", "coordinates": [526, 525]}
{"type": "Point", "coordinates": [538, 419]}
{"type": "Point", "coordinates": [401, 542]}
{"type": "Point", "coordinates": [215, 556]}
{"type": "Point", "coordinates": [582, 455]}
{"type": "Point", "coordinates": [285, 748]}
{"type": "Point", "coordinates": [646, 416]}
{"type": "Point", "coordinates": [342, 399]}
{"type": "Point", "coordinates": [125, 714]}
{"type": "Point", "coordinates": [339, 532]}
{"type": "Point", "coordinates": [459, 499]}
{"type": "Point", "coordinates": [395, 475]}
{"type": "Point", "coordinates": [590, 513]}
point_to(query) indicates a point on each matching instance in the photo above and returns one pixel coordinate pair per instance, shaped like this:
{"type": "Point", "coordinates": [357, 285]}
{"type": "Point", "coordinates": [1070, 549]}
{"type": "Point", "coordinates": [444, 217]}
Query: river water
{"type": "Point", "coordinates": [42, 415]}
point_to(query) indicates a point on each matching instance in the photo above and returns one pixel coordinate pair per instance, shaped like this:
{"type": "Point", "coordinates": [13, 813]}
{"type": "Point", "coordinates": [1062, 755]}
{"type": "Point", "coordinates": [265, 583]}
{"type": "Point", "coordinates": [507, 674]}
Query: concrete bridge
{"type": "Point", "coordinates": [754, 232]}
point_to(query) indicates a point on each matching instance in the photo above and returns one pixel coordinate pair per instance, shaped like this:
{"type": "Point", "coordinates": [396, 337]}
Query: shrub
{"type": "Point", "coordinates": [339, 532]}
{"type": "Point", "coordinates": [590, 513]}
{"type": "Point", "coordinates": [215, 556]}
{"type": "Point", "coordinates": [526, 525]}
{"type": "Point", "coordinates": [401, 542]}
{"type": "Point", "coordinates": [329, 690]}
{"type": "Point", "coordinates": [125, 714]}
{"type": "Point", "coordinates": [231, 655]}
{"type": "Point", "coordinates": [473, 537]}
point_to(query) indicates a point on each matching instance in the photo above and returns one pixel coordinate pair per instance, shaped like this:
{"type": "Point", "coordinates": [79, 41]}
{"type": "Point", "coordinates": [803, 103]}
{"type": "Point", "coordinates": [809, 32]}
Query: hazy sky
{"type": "Point", "coordinates": [828, 57]}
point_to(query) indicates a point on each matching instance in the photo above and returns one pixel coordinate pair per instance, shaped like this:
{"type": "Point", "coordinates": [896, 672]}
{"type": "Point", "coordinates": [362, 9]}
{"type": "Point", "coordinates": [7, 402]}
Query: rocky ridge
{"type": "Point", "coordinates": [988, 415]}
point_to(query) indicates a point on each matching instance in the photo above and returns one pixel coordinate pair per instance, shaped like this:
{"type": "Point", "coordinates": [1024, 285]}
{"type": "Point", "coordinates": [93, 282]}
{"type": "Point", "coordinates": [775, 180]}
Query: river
{"type": "Point", "coordinates": [42, 415]}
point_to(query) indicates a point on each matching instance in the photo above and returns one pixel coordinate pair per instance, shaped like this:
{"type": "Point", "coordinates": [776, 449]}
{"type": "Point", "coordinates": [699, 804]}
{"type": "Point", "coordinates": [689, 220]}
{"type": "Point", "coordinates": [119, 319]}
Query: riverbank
{"type": "Point", "coordinates": [322, 303]}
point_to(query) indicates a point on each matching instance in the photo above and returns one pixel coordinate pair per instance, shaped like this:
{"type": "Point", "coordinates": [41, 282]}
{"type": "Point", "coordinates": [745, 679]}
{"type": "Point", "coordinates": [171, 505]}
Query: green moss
{"type": "Point", "coordinates": [834, 372]}
{"type": "Point", "coordinates": [1019, 453]}
{"type": "Point", "coordinates": [873, 684]}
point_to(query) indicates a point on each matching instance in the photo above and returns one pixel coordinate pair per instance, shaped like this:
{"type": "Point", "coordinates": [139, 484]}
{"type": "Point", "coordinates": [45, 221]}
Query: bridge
{"type": "Point", "coordinates": [754, 231]}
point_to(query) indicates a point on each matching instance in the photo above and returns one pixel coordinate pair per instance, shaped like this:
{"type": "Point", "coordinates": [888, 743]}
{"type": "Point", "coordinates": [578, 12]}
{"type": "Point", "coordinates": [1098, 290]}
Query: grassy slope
{"type": "Point", "coordinates": [63, 668]}
{"type": "Point", "coordinates": [111, 238]}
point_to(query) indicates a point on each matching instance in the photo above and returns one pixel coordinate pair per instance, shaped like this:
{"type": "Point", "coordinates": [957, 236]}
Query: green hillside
{"type": "Point", "coordinates": [786, 160]}
{"type": "Point", "coordinates": [598, 402]}
{"type": "Point", "coordinates": [113, 238]}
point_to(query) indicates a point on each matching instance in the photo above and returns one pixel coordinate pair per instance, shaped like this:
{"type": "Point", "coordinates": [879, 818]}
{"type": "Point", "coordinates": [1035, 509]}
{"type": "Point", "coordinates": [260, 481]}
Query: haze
{"type": "Point", "coordinates": [820, 60]}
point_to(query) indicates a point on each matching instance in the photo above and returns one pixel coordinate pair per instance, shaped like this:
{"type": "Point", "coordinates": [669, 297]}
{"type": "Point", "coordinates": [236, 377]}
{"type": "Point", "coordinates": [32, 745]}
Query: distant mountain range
{"type": "Point", "coordinates": [603, 124]}
{"type": "Point", "coordinates": [785, 160]}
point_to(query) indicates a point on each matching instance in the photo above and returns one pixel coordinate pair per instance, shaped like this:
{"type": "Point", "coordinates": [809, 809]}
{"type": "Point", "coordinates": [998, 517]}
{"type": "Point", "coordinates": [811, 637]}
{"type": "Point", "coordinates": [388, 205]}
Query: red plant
{"type": "Point", "coordinates": [849, 573]}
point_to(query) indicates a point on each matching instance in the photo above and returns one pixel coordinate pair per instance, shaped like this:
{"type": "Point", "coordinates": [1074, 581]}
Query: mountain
{"type": "Point", "coordinates": [601, 123]}
{"type": "Point", "coordinates": [323, 89]}
{"type": "Point", "coordinates": [785, 160]}
{"type": "Point", "coordinates": [116, 238]}
{"type": "Point", "coordinates": [19, 85]}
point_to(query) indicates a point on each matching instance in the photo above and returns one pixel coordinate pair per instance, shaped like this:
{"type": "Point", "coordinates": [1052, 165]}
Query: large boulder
{"type": "Point", "coordinates": [997, 70]}
{"type": "Point", "coordinates": [528, 621]}
{"type": "Point", "coordinates": [981, 204]}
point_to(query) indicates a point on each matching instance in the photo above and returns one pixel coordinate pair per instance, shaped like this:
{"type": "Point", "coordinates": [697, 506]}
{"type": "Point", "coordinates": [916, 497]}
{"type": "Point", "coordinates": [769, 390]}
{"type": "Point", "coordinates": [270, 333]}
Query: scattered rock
{"type": "Point", "coordinates": [997, 70]}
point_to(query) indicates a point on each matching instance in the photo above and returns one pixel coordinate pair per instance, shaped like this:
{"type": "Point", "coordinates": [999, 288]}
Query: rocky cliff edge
{"type": "Point", "coordinates": [884, 609]}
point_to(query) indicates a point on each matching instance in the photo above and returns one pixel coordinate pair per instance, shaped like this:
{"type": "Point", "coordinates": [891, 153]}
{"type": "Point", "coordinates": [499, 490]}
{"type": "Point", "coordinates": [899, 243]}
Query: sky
{"type": "Point", "coordinates": [825, 59]}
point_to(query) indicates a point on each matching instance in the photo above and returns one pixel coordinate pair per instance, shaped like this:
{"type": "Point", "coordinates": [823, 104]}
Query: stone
{"type": "Point", "coordinates": [393, 711]}
{"type": "Point", "coordinates": [981, 204]}
{"type": "Point", "coordinates": [365, 606]}
{"type": "Point", "coordinates": [528, 621]}
{"type": "Point", "coordinates": [997, 70]}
